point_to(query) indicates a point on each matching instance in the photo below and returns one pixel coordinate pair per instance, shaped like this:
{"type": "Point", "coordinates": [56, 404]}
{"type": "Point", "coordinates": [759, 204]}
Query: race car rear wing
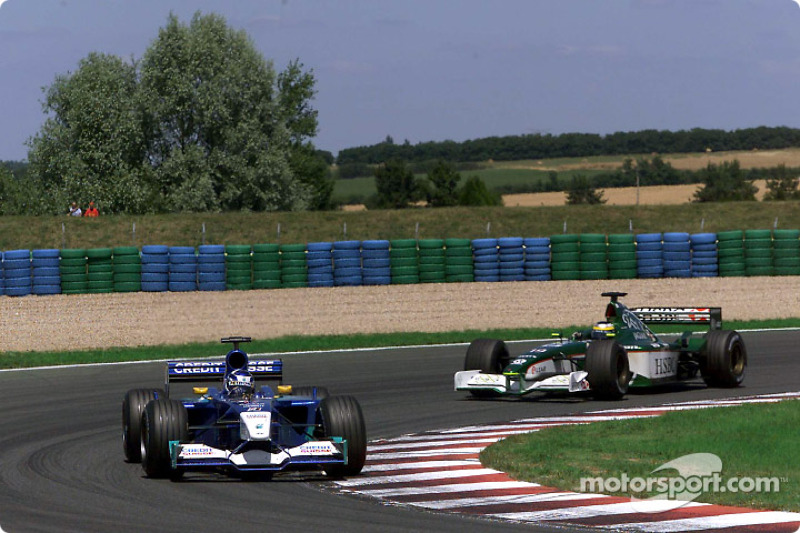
{"type": "Point", "coordinates": [680, 315]}
{"type": "Point", "coordinates": [214, 370]}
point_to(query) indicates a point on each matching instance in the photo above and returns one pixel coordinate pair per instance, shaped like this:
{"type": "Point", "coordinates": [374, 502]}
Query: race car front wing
{"type": "Point", "coordinates": [516, 384]}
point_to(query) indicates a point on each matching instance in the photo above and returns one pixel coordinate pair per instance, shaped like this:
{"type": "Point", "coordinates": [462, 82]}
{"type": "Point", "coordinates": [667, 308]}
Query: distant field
{"type": "Point", "coordinates": [498, 174]}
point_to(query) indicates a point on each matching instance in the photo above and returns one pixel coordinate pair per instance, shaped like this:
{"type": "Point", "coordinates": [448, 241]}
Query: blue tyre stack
{"type": "Point", "coordinates": [46, 275]}
{"type": "Point", "coordinates": [319, 259]}
{"type": "Point", "coordinates": [376, 263]}
{"type": "Point", "coordinates": [155, 268]}
{"type": "Point", "coordinates": [2, 282]}
{"type": "Point", "coordinates": [211, 267]}
{"type": "Point", "coordinates": [511, 256]}
{"type": "Point", "coordinates": [17, 272]}
{"type": "Point", "coordinates": [486, 260]}
{"type": "Point", "coordinates": [537, 259]}
{"type": "Point", "coordinates": [347, 263]}
{"type": "Point", "coordinates": [704, 255]}
{"type": "Point", "coordinates": [677, 255]}
{"type": "Point", "coordinates": [649, 262]}
{"type": "Point", "coordinates": [182, 269]}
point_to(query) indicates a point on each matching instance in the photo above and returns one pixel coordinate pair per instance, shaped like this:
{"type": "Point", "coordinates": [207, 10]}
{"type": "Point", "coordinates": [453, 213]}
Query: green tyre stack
{"type": "Point", "coordinates": [126, 268]}
{"type": "Point", "coordinates": [100, 270]}
{"type": "Point", "coordinates": [238, 267]}
{"type": "Point", "coordinates": [786, 252]}
{"type": "Point", "coordinates": [72, 268]}
{"type": "Point", "coordinates": [458, 260]}
{"type": "Point", "coordinates": [758, 252]}
{"type": "Point", "coordinates": [565, 257]}
{"type": "Point", "coordinates": [432, 261]}
{"type": "Point", "coordinates": [593, 256]}
{"type": "Point", "coordinates": [266, 266]}
{"type": "Point", "coordinates": [621, 256]}
{"type": "Point", "coordinates": [294, 271]}
{"type": "Point", "coordinates": [730, 253]}
{"type": "Point", "coordinates": [404, 261]}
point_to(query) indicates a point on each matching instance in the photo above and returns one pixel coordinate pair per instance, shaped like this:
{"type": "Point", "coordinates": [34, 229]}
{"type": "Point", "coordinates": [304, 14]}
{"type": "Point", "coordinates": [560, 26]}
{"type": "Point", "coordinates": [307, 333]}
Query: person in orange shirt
{"type": "Point", "coordinates": [91, 211]}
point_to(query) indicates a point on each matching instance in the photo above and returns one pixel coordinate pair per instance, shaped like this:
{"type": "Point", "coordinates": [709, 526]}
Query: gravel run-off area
{"type": "Point", "coordinates": [89, 321]}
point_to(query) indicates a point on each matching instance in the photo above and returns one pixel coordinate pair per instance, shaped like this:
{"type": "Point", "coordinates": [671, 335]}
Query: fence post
{"type": "Point", "coordinates": [702, 224]}
{"type": "Point", "coordinates": [565, 227]}
{"type": "Point", "coordinates": [133, 234]}
{"type": "Point", "coordinates": [630, 225]}
{"type": "Point", "coordinates": [203, 239]}
{"type": "Point", "coordinates": [416, 231]}
{"type": "Point", "coordinates": [279, 232]}
{"type": "Point", "coordinates": [775, 224]}
{"type": "Point", "coordinates": [488, 229]}
{"type": "Point", "coordinates": [63, 236]}
{"type": "Point", "coordinates": [344, 230]}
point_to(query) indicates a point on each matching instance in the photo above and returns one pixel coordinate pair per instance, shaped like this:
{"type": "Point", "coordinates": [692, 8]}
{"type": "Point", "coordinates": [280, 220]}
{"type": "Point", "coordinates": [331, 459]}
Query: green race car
{"type": "Point", "coordinates": [617, 353]}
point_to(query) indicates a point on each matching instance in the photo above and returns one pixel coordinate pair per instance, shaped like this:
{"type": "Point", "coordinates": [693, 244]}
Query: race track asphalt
{"type": "Point", "coordinates": [62, 467]}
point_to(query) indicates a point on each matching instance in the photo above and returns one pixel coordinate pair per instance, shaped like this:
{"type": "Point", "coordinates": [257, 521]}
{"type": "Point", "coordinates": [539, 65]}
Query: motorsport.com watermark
{"type": "Point", "coordinates": [698, 473]}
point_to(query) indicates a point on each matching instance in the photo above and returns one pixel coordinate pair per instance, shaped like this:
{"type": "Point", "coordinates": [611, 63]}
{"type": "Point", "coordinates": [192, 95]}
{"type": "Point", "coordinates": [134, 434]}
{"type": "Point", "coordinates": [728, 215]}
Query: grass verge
{"type": "Point", "coordinates": [753, 441]}
{"type": "Point", "coordinates": [326, 342]}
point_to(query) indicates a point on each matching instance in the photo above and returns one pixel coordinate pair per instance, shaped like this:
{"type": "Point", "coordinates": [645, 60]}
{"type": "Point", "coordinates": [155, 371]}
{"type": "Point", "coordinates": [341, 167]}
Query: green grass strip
{"type": "Point", "coordinates": [753, 441]}
{"type": "Point", "coordinates": [296, 343]}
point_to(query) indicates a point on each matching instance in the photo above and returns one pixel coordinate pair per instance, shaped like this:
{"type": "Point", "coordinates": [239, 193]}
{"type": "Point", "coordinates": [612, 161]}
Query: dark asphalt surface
{"type": "Point", "coordinates": [62, 467]}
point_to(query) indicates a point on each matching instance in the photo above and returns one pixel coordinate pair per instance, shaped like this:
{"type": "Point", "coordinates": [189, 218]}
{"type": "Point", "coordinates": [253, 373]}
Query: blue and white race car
{"type": "Point", "coordinates": [244, 426]}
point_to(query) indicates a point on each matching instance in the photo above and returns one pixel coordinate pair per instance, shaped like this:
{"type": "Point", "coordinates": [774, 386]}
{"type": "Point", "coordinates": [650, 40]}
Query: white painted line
{"type": "Point", "coordinates": [426, 476]}
{"type": "Point", "coordinates": [422, 464]}
{"type": "Point", "coordinates": [424, 453]}
{"type": "Point", "coordinates": [428, 444]}
{"type": "Point", "coordinates": [504, 500]}
{"type": "Point", "coordinates": [711, 522]}
{"type": "Point", "coordinates": [464, 436]}
{"type": "Point", "coordinates": [590, 511]}
{"type": "Point", "coordinates": [447, 489]}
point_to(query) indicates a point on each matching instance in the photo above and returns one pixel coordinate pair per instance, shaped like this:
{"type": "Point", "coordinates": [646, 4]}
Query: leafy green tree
{"type": "Point", "coordinates": [724, 183]}
{"type": "Point", "coordinates": [580, 191]}
{"type": "Point", "coordinates": [92, 145]}
{"type": "Point", "coordinates": [474, 192]}
{"type": "Point", "coordinates": [782, 185]}
{"type": "Point", "coordinates": [396, 184]}
{"type": "Point", "coordinates": [443, 181]}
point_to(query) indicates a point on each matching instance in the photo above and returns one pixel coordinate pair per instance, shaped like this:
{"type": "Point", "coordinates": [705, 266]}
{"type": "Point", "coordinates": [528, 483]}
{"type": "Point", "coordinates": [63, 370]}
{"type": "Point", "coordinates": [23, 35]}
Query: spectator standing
{"type": "Point", "coordinates": [92, 211]}
{"type": "Point", "coordinates": [74, 210]}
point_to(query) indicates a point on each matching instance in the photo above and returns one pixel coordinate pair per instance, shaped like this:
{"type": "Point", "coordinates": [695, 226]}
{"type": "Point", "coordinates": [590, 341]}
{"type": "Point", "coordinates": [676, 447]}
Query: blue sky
{"type": "Point", "coordinates": [454, 69]}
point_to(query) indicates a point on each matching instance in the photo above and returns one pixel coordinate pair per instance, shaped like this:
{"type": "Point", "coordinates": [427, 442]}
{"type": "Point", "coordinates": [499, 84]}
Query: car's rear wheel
{"type": "Point", "coordinates": [162, 421]}
{"type": "Point", "coordinates": [342, 417]}
{"type": "Point", "coordinates": [133, 405]}
{"type": "Point", "coordinates": [608, 369]}
{"type": "Point", "coordinates": [725, 359]}
{"type": "Point", "coordinates": [490, 356]}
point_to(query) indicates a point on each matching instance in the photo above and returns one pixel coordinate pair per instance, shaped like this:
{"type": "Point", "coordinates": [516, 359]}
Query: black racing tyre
{"type": "Point", "coordinates": [162, 421]}
{"type": "Point", "coordinates": [725, 359]}
{"type": "Point", "coordinates": [490, 356]}
{"type": "Point", "coordinates": [133, 405]}
{"type": "Point", "coordinates": [341, 416]}
{"type": "Point", "coordinates": [608, 369]}
{"type": "Point", "coordinates": [308, 390]}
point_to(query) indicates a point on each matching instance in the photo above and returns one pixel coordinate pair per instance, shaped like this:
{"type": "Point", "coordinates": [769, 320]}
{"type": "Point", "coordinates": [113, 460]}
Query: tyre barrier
{"type": "Point", "coordinates": [565, 255]}
{"type": "Point", "coordinates": [458, 263]}
{"type": "Point", "coordinates": [404, 261]}
{"type": "Point", "coordinates": [347, 263]}
{"type": "Point", "coordinates": [17, 278]}
{"type": "Point", "coordinates": [182, 273]}
{"type": "Point", "coordinates": [511, 258]}
{"type": "Point", "coordinates": [677, 255]}
{"type": "Point", "coordinates": [593, 254]}
{"type": "Point", "coordinates": [320, 264]}
{"type": "Point", "coordinates": [432, 261]}
{"type": "Point", "coordinates": [758, 253]}
{"type": "Point", "coordinates": [622, 256]}
{"type": "Point", "coordinates": [155, 268]}
{"type": "Point", "coordinates": [45, 275]}
{"type": "Point", "coordinates": [786, 252]}
{"type": "Point", "coordinates": [376, 263]}
{"type": "Point", "coordinates": [486, 260]}
{"type": "Point", "coordinates": [126, 267]}
{"type": "Point", "coordinates": [266, 266]}
{"type": "Point", "coordinates": [211, 267]}
{"type": "Point", "coordinates": [704, 255]}
{"type": "Point", "coordinates": [294, 271]}
{"type": "Point", "coordinates": [537, 259]}
{"type": "Point", "coordinates": [649, 260]}
{"type": "Point", "coordinates": [238, 267]}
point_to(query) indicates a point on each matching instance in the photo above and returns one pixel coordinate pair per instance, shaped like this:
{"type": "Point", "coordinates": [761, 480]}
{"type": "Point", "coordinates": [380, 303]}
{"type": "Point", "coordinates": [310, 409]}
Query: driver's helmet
{"type": "Point", "coordinates": [239, 383]}
{"type": "Point", "coordinates": [603, 330]}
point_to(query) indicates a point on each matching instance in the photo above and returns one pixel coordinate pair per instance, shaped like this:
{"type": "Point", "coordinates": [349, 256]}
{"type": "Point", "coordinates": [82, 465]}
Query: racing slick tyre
{"type": "Point", "coordinates": [162, 421]}
{"type": "Point", "coordinates": [490, 356]}
{"type": "Point", "coordinates": [133, 405]}
{"type": "Point", "coordinates": [342, 417]}
{"type": "Point", "coordinates": [726, 359]}
{"type": "Point", "coordinates": [308, 390]}
{"type": "Point", "coordinates": [608, 369]}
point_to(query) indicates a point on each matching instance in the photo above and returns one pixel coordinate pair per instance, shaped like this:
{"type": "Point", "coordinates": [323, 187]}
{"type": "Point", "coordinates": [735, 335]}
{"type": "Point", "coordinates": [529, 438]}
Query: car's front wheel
{"type": "Point", "coordinates": [342, 417]}
{"type": "Point", "coordinates": [162, 421]}
{"type": "Point", "coordinates": [725, 359]}
{"type": "Point", "coordinates": [133, 405]}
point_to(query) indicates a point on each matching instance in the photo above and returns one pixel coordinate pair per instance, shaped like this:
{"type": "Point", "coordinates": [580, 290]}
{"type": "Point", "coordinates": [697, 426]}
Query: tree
{"type": "Point", "coordinates": [201, 123]}
{"type": "Point", "coordinates": [475, 193]}
{"type": "Point", "coordinates": [724, 183]}
{"type": "Point", "coordinates": [396, 184]}
{"type": "Point", "coordinates": [443, 184]}
{"type": "Point", "coordinates": [782, 185]}
{"type": "Point", "coordinates": [580, 191]}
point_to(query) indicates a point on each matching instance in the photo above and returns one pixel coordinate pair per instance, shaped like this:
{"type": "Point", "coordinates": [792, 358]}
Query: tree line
{"type": "Point", "coordinates": [545, 146]}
